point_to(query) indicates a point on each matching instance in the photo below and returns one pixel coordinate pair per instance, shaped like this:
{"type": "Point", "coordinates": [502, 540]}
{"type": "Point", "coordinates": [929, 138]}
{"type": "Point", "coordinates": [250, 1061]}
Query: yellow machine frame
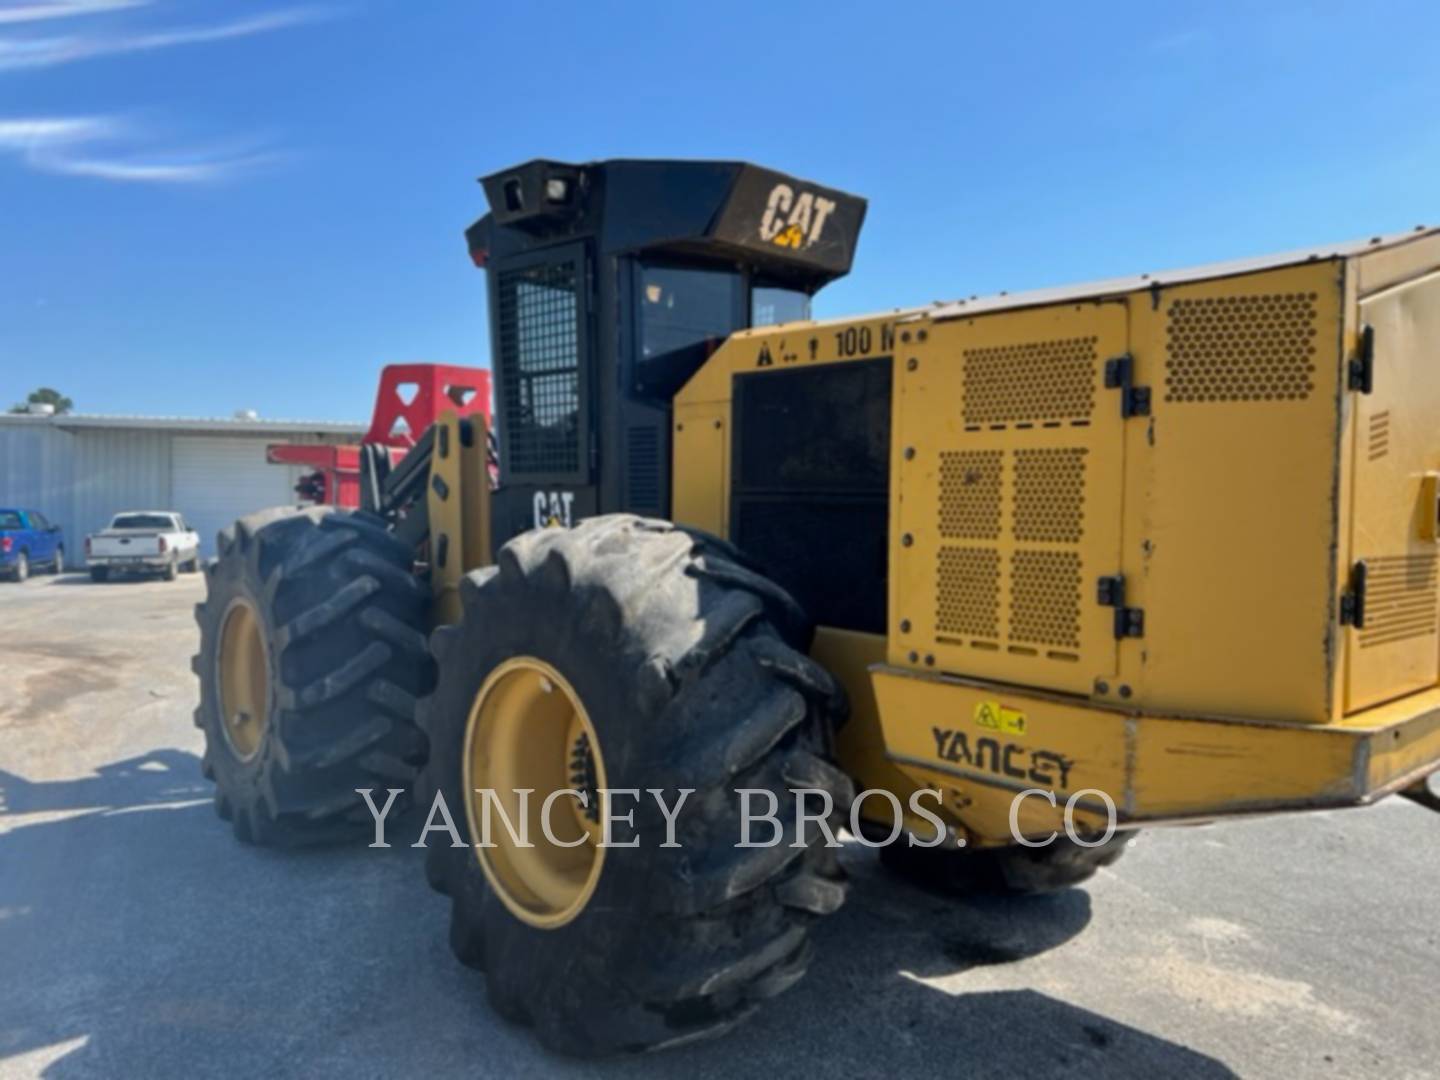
{"type": "Point", "coordinates": [1226, 512]}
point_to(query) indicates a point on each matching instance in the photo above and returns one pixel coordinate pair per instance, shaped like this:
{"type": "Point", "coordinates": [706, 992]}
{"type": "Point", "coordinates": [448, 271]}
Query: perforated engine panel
{"type": "Point", "coordinates": [1009, 507]}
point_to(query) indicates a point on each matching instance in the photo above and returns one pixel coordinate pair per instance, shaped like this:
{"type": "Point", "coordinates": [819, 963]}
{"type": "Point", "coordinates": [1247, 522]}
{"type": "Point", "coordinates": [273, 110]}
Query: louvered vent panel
{"type": "Point", "coordinates": [642, 471]}
{"type": "Point", "coordinates": [1241, 348]}
{"type": "Point", "coordinates": [1379, 442]}
{"type": "Point", "coordinates": [1400, 598]}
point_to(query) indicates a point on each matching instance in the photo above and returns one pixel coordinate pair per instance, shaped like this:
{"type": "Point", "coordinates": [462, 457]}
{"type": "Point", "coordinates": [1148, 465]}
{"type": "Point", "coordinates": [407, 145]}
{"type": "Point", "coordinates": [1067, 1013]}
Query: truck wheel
{"type": "Point", "coordinates": [630, 654]}
{"type": "Point", "coordinates": [1013, 869]}
{"type": "Point", "coordinates": [57, 565]}
{"type": "Point", "coordinates": [172, 569]}
{"type": "Point", "coordinates": [99, 574]}
{"type": "Point", "coordinates": [312, 654]}
{"type": "Point", "coordinates": [21, 571]}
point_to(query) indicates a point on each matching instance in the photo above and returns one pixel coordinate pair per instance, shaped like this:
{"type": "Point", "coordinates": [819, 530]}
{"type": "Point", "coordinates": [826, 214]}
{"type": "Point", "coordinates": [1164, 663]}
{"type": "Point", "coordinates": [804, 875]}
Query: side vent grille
{"type": "Point", "coordinates": [1045, 597]}
{"type": "Point", "coordinates": [1050, 495]}
{"type": "Point", "coordinates": [970, 494]}
{"type": "Point", "coordinates": [969, 593]}
{"type": "Point", "coordinates": [1241, 348]}
{"type": "Point", "coordinates": [1031, 382]}
{"type": "Point", "coordinates": [1030, 496]}
{"type": "Point", "coordinates": [642, 454]}
{"type": "Point", "coordinates": [1379, 435]}
{"type": "Point", "coordinates": [1400, 598]}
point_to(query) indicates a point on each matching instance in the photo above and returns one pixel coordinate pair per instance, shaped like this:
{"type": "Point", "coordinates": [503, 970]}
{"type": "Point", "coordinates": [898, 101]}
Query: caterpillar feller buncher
{"type": "Point", "coordinates": [1167, 541]}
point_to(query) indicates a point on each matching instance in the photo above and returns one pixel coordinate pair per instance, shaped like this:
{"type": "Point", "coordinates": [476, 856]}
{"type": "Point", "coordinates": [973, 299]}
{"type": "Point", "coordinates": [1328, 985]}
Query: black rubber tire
{"type": "Point", "coordinates": [99, 574]}
{"type": "Point", "coordinates": [171, 571]}
{"type": "Point", "coordinates": [21, 572]}
{"type": "Point", "coordinates": [1013, 869]}
{"type": "Point", "coordinates": [679, 651]}
{"type": "Point", "coordinates": [344, 623]}
{"type": "Point", "coordinates": [57, 564]}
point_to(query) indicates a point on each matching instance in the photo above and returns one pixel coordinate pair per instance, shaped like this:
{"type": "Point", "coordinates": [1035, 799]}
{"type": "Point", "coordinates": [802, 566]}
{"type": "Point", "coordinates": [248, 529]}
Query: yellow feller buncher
{"type": "Point", "coordinates": [1157, 550]}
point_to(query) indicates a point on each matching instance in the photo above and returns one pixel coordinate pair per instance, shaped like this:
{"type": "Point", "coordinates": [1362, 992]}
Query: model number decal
{"type": "Point", "coordinates": [850, 342]}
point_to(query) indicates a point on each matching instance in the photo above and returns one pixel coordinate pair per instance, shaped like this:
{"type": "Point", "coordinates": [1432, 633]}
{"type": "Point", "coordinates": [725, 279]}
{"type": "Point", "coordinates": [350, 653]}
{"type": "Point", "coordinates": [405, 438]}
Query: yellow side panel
{"type": "Point", "coordinates": [1232, 514]}
{"type": "Point", "coordinates": [458, 502]}
{"type": "Point", "coordinates": [702, 466]}
{"type": "Point", "coordinates": [1394, 524]}
{"type": "Point", "coordinates": [1006, 494]}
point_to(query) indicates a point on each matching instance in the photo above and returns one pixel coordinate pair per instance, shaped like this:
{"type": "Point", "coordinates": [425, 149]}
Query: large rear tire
{"type": "Point", "coordinates": [674, 654]}
{"type": "Point", "coordinates": [312, 655]}
{"type": "Point", "coordinates": [1013, 869]}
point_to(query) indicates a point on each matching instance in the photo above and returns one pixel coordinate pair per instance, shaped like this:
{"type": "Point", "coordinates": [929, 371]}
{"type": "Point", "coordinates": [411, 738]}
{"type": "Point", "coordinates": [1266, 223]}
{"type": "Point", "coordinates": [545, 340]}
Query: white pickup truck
{"type": "Point", "coordinates": [143, 542]}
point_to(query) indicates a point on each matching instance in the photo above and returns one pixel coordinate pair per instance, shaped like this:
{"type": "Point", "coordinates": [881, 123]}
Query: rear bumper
{"type": "Point", "coordinates": [129, 562]}
{"type": "Point", "coordinates": [977, 740]}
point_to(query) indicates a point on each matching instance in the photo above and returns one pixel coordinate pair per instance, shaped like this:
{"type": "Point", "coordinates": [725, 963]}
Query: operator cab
{"type": "Point", "coordinates": [610, 284]}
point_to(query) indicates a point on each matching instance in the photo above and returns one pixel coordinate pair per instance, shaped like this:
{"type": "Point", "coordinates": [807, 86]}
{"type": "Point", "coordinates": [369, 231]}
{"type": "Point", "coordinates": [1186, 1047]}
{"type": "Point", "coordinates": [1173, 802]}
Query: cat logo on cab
{"type": "Point", "coordinates": [553, 508]}
{"type": "Point", "coordinates": [794, 221]}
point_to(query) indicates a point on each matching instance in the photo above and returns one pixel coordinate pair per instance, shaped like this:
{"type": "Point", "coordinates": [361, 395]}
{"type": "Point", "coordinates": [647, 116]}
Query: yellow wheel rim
{"type": "Point", "coordinates": [528, 729]}
{"type": "Point", "coordinates": [243, 679]}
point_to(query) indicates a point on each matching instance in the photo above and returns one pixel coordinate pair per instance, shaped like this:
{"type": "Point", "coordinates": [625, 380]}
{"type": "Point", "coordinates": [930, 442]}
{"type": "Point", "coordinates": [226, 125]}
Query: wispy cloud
{"type": "Point", "coordinates": [21, 53]}
{"type": "Point", "coordinates": [62, 9]}
{"type": "Point", "coordinates": [85, 146]}
{"type": "Point", "coordinates": [108, 147]}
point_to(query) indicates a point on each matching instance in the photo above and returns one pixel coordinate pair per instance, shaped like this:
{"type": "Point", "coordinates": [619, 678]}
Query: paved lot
{"type": "Point", "coordinates": [137, 938]}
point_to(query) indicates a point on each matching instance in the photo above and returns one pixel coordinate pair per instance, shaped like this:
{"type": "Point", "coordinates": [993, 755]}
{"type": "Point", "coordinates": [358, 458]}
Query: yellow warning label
{"type": "Point", "coordinates": [993, 715]}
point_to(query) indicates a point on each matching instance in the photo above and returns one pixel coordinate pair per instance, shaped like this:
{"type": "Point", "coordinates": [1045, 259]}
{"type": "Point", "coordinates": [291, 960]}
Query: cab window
{"type": "Point", "coordinates": [770, 304]}
{"type": "Point", "coordinates": [685, 314]}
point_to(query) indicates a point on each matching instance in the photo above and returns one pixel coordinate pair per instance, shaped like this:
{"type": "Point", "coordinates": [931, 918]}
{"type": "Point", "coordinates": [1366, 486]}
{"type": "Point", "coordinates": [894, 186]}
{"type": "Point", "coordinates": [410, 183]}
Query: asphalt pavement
{"type": "Point", "coordinates": [138, 938]}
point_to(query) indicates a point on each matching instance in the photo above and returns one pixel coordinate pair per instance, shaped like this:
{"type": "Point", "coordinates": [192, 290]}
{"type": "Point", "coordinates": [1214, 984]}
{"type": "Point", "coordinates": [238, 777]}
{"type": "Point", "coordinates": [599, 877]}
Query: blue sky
{"type": "Point", "coordinates": [208, 206]}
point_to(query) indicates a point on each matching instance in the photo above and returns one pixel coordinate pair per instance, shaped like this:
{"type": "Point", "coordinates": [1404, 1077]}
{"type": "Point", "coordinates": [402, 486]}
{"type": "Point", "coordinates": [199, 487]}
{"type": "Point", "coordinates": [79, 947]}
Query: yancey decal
{"type": "Point", "coordinates": [794, 221]}
{"type": "Point", "coordinates": [1044, 768]}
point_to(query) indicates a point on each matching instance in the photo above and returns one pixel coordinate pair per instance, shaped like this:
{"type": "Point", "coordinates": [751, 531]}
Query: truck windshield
{"type": "Point", "coordinates": [142, 521]}
{"type": "Point", "coordinates": [10, 520]}
{"type": "Point", "coordinates": [685, 315]}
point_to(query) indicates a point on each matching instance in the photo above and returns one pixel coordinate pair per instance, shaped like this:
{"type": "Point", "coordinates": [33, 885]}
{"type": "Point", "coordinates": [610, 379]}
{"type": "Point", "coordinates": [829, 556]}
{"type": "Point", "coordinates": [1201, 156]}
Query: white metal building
{"type": "Point", "coordinates": [80, 470]}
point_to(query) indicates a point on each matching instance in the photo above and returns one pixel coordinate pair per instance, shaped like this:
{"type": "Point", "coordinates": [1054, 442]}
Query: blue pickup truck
{"type": "Point", "coordinates": [28, 541]}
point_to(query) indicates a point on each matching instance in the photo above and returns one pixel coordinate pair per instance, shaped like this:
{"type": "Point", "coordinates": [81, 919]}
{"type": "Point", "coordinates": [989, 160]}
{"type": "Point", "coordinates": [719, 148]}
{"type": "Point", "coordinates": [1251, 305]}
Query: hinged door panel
{"type": "Point", "coordinates": [1007, 496]}
{"type": "Point", "coordinates": [1396, 648]}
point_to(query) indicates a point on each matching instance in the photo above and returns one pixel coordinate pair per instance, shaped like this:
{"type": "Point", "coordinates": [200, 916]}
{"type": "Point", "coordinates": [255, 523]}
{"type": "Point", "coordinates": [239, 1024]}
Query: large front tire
{"type": "Point", "coordinates": [674, 654]}
{"type": "Point", "coordinates": [312, 655]}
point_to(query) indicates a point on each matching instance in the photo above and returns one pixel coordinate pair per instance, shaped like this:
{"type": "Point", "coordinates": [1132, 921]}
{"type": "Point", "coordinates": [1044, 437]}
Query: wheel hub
{"type": "Point", "coordinates": [243, 680]}
{"type": "Point", "coordinates": [528, 729]}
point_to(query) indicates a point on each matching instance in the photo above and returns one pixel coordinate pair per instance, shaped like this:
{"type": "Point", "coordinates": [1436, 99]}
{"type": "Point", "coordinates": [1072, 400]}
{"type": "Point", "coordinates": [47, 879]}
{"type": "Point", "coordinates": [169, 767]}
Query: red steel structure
{"type": "Point", "coordinates": [410, 398]}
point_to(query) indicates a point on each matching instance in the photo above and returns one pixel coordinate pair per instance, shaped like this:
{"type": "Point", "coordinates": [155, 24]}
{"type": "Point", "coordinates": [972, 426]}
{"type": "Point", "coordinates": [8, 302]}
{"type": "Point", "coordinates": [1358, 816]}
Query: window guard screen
{"type": "Point", "coordinates": [539, 334]}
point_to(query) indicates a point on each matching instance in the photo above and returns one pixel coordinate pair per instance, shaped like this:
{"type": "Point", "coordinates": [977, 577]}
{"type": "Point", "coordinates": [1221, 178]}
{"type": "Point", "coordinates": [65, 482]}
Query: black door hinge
{"type": "Point", "coordinates": [1362, 364]}
{"type": "Point", "coordinates": [1120, 375]}
{"type": "Point", "coordinates": [1352, 600]}
{"type": "Point", "coordinates": [1129, 621]}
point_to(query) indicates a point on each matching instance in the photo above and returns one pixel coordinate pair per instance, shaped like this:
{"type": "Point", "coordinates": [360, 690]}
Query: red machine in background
{"type": "Point", "coordinates": [410, 398]}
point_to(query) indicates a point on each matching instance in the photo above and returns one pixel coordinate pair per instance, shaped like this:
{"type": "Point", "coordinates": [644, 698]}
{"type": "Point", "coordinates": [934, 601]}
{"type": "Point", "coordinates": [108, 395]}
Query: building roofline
{"type": "Point", "coordinates": [186, 425]}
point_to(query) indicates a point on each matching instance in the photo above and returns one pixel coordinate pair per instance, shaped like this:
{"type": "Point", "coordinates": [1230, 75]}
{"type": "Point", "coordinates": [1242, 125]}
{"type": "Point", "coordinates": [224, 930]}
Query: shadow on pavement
{"type": "Point", "coordinates": [146, 941]}
{"type": "Point", "coordinates": [159, 776]}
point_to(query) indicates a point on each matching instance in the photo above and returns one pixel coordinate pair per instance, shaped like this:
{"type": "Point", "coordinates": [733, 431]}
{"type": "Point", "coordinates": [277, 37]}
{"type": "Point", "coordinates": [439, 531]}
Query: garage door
{"type": "Point", "coordinates": [213, 481]}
